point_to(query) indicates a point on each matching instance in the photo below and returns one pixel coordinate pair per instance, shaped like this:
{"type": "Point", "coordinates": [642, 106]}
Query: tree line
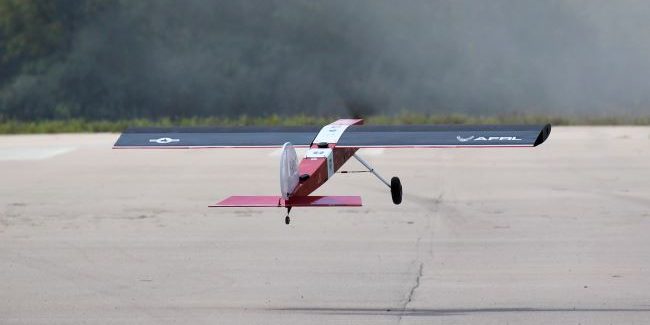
{"type": "Point", "coordinates": [123, 59]}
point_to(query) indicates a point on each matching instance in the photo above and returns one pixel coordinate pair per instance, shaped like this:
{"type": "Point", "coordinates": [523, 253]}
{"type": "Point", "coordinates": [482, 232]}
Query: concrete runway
{"type": "Point", "coordinates": [547, 235]}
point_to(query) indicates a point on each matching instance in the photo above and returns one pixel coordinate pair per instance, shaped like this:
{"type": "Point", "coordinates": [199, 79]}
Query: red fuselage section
{"type": "Point", "coordinates": [314, 171]}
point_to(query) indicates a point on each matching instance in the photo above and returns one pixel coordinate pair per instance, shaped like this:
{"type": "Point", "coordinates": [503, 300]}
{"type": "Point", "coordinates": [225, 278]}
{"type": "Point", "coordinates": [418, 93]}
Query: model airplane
{"type": "Point", "coordinates": [329, 149]}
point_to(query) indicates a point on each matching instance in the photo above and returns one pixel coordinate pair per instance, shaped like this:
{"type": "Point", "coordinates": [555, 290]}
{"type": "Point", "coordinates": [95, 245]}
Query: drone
{"type": "Point", "coordinates": [328, 149]}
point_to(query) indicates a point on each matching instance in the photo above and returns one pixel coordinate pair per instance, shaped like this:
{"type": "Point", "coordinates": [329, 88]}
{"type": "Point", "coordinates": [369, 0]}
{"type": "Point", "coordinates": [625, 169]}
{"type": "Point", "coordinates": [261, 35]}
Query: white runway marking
{"type": "Point", "coordinates": [32, 153]}
{"type": "Point", "coordinates": [371, 151]}
{"type": "Point", "coordinates": [300, 152]}
{"type": "Point", "coordinates": [275, 153]}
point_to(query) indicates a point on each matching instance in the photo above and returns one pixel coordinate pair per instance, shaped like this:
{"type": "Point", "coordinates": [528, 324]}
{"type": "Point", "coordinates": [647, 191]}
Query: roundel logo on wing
{"type": "Point", "coordinates": [164, 140]}
{"type": "Point", "coordinates": [461, 139]}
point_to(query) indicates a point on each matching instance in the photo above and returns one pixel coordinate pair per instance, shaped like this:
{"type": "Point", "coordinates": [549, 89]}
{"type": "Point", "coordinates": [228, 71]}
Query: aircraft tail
{"type": "Point", "coordinates": [300, 201]}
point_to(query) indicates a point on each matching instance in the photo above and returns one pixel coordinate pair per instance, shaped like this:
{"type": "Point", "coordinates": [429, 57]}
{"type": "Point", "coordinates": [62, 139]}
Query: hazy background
{"type": "Point", "coordinates": [155, 58]}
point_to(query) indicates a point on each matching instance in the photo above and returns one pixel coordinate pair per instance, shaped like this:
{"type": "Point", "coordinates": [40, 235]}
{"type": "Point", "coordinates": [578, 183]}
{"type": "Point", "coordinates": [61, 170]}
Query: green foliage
{"type": "Point", "coordinates": [35, 29]}
{"type": "Point", "coordinates": [111, 59]}
{"type": "Point", "coordinates": [120, 60]}
{"type": "Point", "coordinates": [36, 38]}
{"type": "Point", "coordinates": [29, 28]}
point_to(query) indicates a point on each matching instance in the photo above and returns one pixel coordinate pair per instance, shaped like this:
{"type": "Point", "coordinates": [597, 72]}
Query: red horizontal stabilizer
{"type": "Point", "coordinates": [251, 201]}
{"type": "Point", "coordinates": [300, 201]}
{"type": "Point", "coordinates": [324, 201]}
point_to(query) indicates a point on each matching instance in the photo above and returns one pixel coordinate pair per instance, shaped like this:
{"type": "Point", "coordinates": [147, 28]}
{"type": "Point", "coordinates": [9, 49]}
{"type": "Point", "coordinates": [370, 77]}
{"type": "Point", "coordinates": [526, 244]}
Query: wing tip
{"type": "Point", "coordinates": [543, 135]}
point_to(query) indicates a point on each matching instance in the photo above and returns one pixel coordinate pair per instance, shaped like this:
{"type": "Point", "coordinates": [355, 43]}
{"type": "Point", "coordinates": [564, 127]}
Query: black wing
{"type": "Point", "coordinates": [216, 137]}
{"type": "Point", "coordinates": [432, 136]}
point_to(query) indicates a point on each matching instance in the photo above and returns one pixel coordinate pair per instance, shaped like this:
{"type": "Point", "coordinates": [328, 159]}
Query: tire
{"type": "Point", "coordinates": [396, 190]}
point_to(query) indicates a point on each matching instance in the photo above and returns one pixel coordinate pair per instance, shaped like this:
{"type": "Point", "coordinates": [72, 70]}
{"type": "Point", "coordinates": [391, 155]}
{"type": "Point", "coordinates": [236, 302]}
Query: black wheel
{"type": "Point", "coordinates": [396, 190]}
{"type": "Point", "coordinates": [287, 220]}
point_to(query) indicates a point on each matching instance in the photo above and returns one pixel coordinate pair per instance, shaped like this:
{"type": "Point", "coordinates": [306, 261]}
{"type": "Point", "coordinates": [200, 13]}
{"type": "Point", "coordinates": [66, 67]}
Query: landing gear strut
{"type": "Point", "coordinates": [395, 184]}
{"type": "Point", "coordinates": [287, 220]}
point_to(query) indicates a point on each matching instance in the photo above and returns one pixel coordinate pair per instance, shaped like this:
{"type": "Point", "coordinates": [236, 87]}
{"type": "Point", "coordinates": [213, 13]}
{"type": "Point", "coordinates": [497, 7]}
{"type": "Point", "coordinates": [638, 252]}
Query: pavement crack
{"type": "Point", "coordinates": [411, 292]}
{"type": "Point", "coordinates": [428, 232]}
{"type": "Point", "coordinates": [409, 298]}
